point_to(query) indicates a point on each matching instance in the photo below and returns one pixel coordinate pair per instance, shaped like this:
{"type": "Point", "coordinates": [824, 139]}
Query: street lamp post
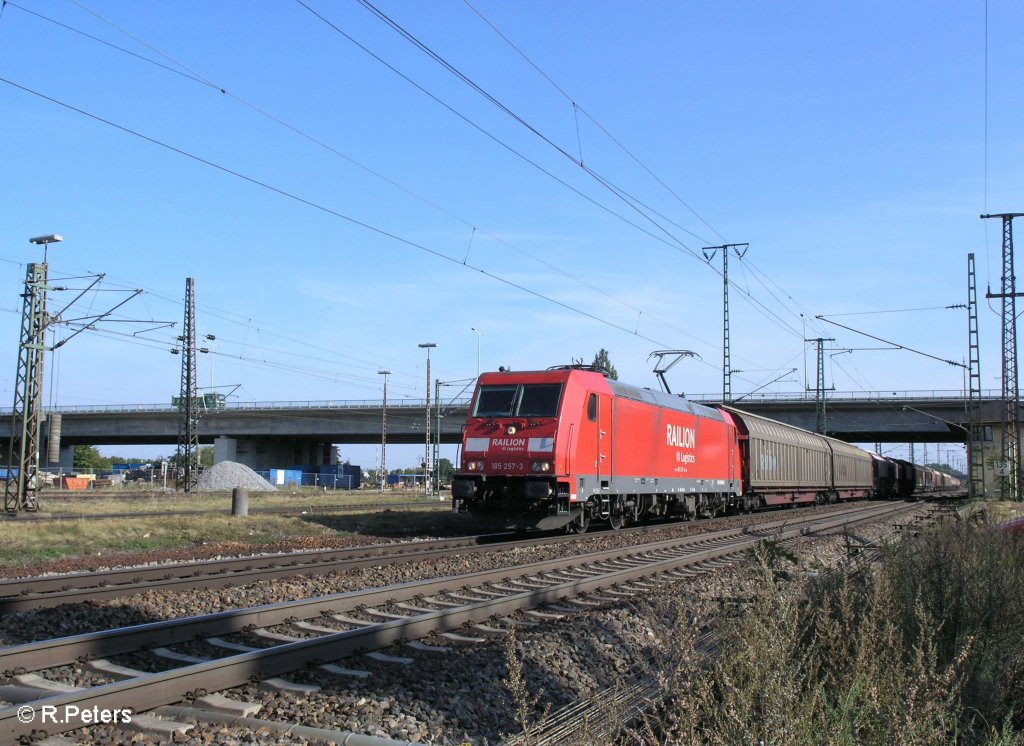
{"type": "Point", "coordinates": [384, 432]}
{"type": "Point", "coordinates": [437, 438]}
{"type": "Point", "coordinates": [426, 444]}
{"type": "Point", "coordinates": [478, 335]}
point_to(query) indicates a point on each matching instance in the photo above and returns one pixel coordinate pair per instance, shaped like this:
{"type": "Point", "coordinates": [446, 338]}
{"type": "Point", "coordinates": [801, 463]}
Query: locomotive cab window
{"type": "Point", "coordinates": [523, 400]}
{"type": "Point", "coordinates": [592, 408]}
{"type": "Point", "coordinates": [496, 401]}
{"type": "Point", "coordinates": [540, 400]}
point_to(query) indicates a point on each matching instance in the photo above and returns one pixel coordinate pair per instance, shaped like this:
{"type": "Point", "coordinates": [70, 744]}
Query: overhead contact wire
{"type": "Point", "coordinates": [190, 74]}
{"type": "Point", "coordinates": [624, 196]}
{"type": "Point", "coordinates": [309, 203]}
{"type": "Point", "coordinates": [197, 77]}
{"type": "Point", "coordinates": [577, 107]}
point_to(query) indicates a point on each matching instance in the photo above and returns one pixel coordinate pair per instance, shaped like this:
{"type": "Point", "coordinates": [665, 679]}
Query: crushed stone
{"type": "Point", "coordinates": [227, 475]}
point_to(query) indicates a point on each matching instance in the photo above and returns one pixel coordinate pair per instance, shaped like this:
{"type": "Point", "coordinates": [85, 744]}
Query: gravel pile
{"type": "Point", "coordinates": [227, 475]}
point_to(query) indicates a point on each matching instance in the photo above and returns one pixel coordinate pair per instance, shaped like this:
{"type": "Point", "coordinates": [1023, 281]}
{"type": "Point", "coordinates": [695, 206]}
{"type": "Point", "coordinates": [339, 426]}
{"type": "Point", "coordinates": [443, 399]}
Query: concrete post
{"type": "Point", "coordinates": [240, 501]}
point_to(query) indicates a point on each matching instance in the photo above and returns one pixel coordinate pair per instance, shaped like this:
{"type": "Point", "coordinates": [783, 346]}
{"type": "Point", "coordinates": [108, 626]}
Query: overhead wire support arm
{"type": "Point", "coordinates": [96, 281]}
{"type": "Point", "coordinates": [92, 320]}
{"type": "Point", "coordinates": [765, 385]}
{"type": "Point", "coordinates": [895, 345]}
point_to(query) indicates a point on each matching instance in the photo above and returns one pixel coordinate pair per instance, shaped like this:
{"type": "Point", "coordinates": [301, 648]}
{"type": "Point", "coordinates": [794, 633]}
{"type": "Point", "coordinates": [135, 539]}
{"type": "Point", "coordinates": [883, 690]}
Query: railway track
{"type": "Point", "coordinates": [23, 594]}
{"type": "Point", "coordinates": [47, 591]}
{"type": "Point", "coordinates": [309, 507]}
{"type": "Point", "coordinates": [457, 610]}
{"type": "Point", "coordinates": [601, 718]}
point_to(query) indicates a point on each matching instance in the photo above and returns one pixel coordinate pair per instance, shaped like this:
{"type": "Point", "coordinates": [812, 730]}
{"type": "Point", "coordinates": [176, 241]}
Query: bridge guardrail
{"type": "Point", "coordinates": [865, 396]}
{"type": "Point", "coordinates": [252, 406]}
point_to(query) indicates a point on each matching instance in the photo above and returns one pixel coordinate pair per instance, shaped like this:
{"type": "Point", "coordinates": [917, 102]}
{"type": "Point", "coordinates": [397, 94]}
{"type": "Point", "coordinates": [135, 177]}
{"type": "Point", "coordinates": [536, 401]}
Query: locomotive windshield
{"type": "Point", "coordinates": [522, 400]}
{"type": "Point", "coordinates": [496, 401]}
{"type": "Point", "coordinates": [540, 400]}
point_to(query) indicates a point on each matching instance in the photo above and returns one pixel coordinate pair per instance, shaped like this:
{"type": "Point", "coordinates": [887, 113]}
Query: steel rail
{"type": "Point", "coordinates": [170, 686]}
{"type": "Point", "coordinates": [21, 594]}
{"type": "Point", "coordinates": [64, 650]}
{"type": "Point", "coordinates": [269, 510]}
{"type": "Point", "coordinates": [47, 591]}
{"type": "Point", "coordinates": [61, 651]}
{"type": "Point", "coordinates": [601, 717]}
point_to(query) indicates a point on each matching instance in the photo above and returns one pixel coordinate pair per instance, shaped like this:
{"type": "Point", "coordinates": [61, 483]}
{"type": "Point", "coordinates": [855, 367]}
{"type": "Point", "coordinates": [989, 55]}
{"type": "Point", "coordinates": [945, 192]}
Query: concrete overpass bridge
{"type": "Point", "coordinates": [279, 434]}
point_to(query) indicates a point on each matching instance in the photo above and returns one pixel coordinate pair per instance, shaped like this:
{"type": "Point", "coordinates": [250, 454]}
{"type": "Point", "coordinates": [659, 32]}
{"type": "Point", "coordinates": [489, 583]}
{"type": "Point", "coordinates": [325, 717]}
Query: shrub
{"type": "Point", "coordinates": [926, 647]}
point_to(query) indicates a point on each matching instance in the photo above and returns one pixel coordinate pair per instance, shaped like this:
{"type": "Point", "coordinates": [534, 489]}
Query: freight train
{"type": "Point", "coordinates": [568, 445]}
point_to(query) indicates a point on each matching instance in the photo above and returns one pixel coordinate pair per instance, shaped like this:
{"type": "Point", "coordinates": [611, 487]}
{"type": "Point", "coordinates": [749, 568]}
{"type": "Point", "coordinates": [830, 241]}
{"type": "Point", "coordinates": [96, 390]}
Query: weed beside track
{"type": "Point", "coordinates": [924, 647]}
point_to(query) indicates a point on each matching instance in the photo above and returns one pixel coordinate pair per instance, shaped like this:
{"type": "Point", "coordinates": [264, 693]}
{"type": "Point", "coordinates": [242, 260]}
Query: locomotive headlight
{"type": "Point", "coordinates": [474, 466]}
{"type": "Point", "coordinates": [511, 429]}
{"type": "Point", "coordinates": [541, 467]}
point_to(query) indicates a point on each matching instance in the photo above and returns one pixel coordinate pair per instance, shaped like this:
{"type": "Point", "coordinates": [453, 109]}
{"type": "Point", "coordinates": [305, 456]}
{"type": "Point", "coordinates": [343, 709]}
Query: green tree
{"type": "Point", "coordinates": [445, 469]}
{"type": "Point", "coordinates": [602, 360]}
{"type": "Point", "coordinates": [87, 458]}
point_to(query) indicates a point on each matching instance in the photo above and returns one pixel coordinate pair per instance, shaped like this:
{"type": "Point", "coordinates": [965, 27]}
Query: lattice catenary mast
{"type": "Point", "coordinates": [726, 358]}
{"type": "Point", "coordinates": [819, 388]}
{"type": "Point", "coordinates": [1010, 442]}
{"type": "Point", "coordinates": [27, 414]}
{"type": "Point", "coordinates": [976, 440]}
{"type": "Point", "coordinates": [188, 401]}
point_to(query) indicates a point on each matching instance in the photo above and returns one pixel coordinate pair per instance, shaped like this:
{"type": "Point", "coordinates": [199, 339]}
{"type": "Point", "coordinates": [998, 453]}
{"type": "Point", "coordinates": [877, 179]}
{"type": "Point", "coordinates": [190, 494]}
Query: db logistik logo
{"type": "Point", "coordinates": [51, 714]}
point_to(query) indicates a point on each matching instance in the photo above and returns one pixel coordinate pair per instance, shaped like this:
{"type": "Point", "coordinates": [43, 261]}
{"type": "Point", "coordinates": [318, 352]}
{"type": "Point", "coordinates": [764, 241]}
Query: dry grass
{"type": "Point", "coordinates": [26, 542]}
{"type": "Point", "coordinates": [924, 649]}
{"type": "Point", "coordinates": [31, 542]}
{"type": "Point", "coordinates": [96, 502]}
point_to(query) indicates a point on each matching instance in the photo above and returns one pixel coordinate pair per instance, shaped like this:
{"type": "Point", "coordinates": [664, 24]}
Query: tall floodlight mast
{"type": "Point", "coordinates": [188, 400]}
{"type": "Point", "coordinates": [27, 413]}
{"type": "Point", "coordinates": [1011, 446]}
{"type": "Point", "coordinates": [726, 357]}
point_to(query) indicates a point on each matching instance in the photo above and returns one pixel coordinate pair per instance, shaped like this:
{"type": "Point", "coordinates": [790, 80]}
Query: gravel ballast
{"type": "Point", "coordinates": [461, 696]}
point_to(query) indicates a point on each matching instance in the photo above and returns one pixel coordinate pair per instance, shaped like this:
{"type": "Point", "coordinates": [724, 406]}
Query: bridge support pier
{"type": "Point", "coordinates": [261, 454]}
{"type": "Point", "coordinates": [225, 449]}
{"type": "Point", "coordinates": [66, 462]}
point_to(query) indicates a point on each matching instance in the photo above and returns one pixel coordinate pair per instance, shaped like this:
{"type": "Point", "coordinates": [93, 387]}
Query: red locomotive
{"type": "Point", "coordinates": [566, 446]}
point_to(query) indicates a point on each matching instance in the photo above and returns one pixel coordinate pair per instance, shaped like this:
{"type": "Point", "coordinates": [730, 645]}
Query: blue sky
{"type": "Point", "coordinates": [335, 214]}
